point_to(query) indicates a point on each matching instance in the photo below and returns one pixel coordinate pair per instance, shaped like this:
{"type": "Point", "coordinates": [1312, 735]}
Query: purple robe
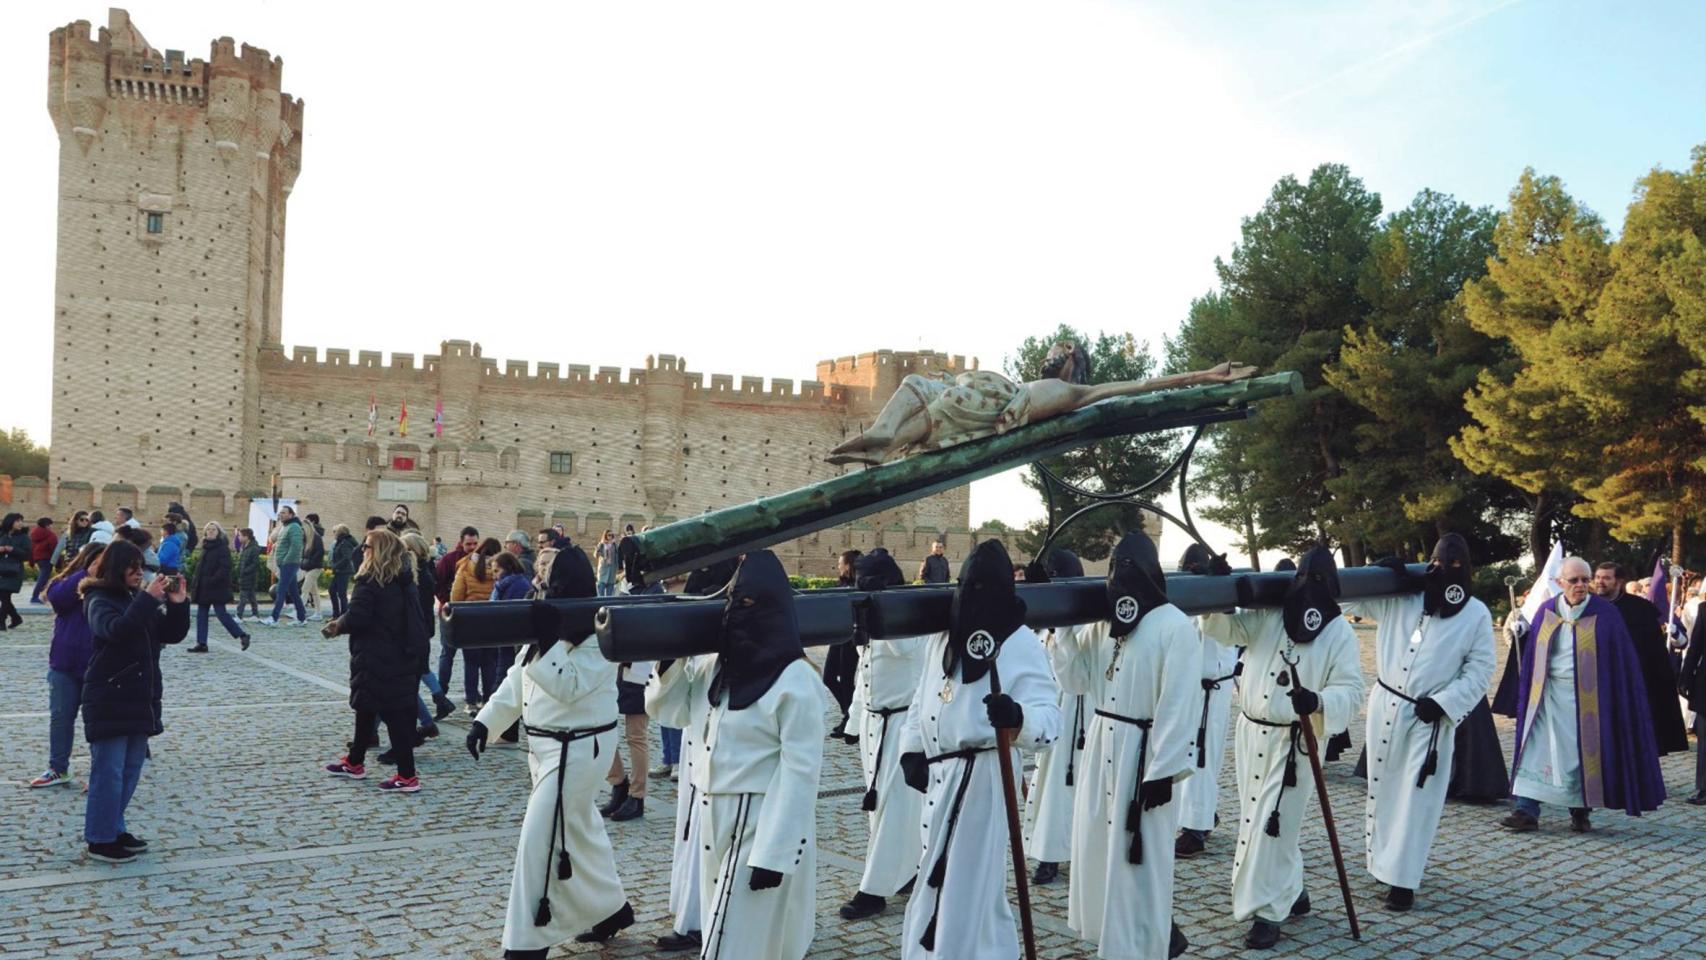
{"type": "Point", "coordinates": [1614, 727]}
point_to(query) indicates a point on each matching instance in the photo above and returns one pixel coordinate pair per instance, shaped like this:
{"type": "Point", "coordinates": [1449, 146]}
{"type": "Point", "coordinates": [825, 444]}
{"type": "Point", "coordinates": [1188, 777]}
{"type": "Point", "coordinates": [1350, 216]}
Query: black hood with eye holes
{"type": "Point", "coordinates": [1196, 559]}
{"type": "Point", "coordinates": [760, 635]}
{"type": "Point", "coordinates": [1448, 578]}
{"type": "Point", "coordinates": [985, 612]}
{"type": "Point", "coordinates": [877, 571]}
{"type": "Point", "coordinates": [1136, 583]}
{"type": "Point", "coordinates": [1311, 602]}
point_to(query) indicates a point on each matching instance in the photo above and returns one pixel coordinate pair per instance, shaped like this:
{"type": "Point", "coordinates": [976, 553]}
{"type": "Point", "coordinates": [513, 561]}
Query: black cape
{"type": "Point", "coordinates": [1477, 761]}
{"type": "Point", "coordinates": [1642, 619]}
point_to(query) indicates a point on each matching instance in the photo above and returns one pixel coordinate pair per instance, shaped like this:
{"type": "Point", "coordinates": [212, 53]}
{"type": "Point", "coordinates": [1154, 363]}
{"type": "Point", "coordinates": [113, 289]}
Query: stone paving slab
{"type": "Point", "coordinates": [256, 854]}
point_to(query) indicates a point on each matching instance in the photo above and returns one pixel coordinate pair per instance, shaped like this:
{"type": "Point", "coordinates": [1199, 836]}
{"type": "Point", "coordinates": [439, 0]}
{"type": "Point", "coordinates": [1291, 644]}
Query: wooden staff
{"type": "Point", "coordinates": [1310, 744]}
{"type": "Point", "coordinates": [1009, 793]}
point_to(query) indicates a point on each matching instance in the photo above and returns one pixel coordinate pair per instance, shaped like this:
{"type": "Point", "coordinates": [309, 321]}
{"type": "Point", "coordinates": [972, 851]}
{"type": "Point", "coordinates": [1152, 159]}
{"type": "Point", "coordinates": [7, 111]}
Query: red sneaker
{"type": "Point", "coordinates": [343, 768]}
{"type": "Point", "coordinates": [397, 784]}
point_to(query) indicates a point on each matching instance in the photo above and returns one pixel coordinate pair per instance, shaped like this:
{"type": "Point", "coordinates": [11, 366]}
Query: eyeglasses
{"type": "Point", "coordinates": [1576, 579]}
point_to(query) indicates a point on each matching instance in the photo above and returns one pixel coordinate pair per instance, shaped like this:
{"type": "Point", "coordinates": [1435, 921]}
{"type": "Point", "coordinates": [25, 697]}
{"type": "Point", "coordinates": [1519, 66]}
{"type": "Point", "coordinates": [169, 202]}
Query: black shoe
{"type": "Point", "coordinates": [389, 758]}
{"type": "Point", "coordinates": [199, 648]}
{"type": "Point", "coordinates": [1262, 936]}
{"type": "Point", "coordinates": [1301, 907]}
{"type": "Point", "coordinates": [423, 734]}
{"type": "Point", "coordinates": [1698, 799]}
{"type": "Point", "coordinates": [111, 852]}
{"type": "Point", "coordinates": [618, 794]}
{"type": "Point", "coordinates": [1579, 821]}
{"type": "Point", "coordinates": [906, 891]}
{"type": "Point", "coordinates": [1189, 844]}
{"type": "Point", "coordinates": [1047, 872]}
{"type": "Point", "coordinates": [863, 905]}
{"type": "Point", "coordinates": [133, 843]}
{"type": "Point", "coordinates": [632, 808]}
{"type": "Point", "coordinates": [1177, 946]}
{"type": "Point", "coordinates": [1400, 899]}
{"type": "Point", "coordinates": [610, 926]}
{"type": "Point", "coordinates": [244, 640]}
{"type": "Point", "coordinates": [1520, 822]}
{"type": "Point", "coordinates": [675, 942]}
{"type": "Point", "coordinates": [442, 707]}
{"type": "Point", "coordinates": [526, 954]}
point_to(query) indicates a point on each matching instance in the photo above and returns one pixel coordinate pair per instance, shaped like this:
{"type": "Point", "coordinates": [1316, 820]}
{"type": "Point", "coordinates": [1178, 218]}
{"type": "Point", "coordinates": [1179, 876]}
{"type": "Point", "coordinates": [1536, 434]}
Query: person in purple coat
{"type": "Point", "coordinates": [67, 660]}
{"type": "Point", "coordinates": [1584, 733]}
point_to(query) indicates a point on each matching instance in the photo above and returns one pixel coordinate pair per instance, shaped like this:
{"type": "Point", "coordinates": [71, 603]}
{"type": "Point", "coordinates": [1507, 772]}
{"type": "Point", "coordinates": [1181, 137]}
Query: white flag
{"type": "Point", "coordinates": [1545, 586]}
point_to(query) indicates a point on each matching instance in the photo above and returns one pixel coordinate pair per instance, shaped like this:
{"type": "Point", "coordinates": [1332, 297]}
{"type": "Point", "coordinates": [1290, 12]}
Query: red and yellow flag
{"type": "Point", "coordinates": [403, 421]}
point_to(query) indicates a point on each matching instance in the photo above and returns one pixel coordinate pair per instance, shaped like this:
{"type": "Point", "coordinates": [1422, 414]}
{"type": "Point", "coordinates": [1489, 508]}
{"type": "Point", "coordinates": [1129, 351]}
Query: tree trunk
{"type": "Point", "coordinates": [1539, 527]}
{"type": "Point", "coordinates": [1250, 541]}
{"type": "Point", "coordinates": [1596, 541]}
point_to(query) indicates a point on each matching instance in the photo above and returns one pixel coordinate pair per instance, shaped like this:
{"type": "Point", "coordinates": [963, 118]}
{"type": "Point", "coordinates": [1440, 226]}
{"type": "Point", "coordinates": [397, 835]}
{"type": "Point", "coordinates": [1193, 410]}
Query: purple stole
{"type": "Point", "coordinates": [1587, 698]}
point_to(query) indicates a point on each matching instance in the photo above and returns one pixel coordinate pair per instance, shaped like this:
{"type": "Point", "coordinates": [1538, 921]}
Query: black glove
{"type": "Point", "coordinates": [1004, 711]}
{"type": "Point", "coordinates": [1155, 793]}
{"type": "Point", "coordinates": [915, 771]}
{"type": "Point", "coordinates": [1428, 710]}
{"type": "Point", "coordinates": [664, 665]}
{"type": "Point", "coordinates": [1337, 744]}
{"type": "Point", "coordinates": [1245, 591]}
{"type": "Point", "coordinates": [1218, 567]}
{"type": "Point", "coordinates": [1035, 572]}
{"type": "Point", "coordinates": [1304, 700]}
{"type": "Point", "coordinates": [1393, 564]}
{"type": "Point", "coordinates": [477, 739]}
{"type": "Point", "coordinates": [763, 879]}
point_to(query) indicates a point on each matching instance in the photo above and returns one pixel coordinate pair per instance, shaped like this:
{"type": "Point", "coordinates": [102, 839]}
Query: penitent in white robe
{"type": "Point", "coordinates": [568, 689]}
{"type": "Point", "coordinates": [676, 698]}
{"type": "Point", "coordinates": [1201, 801]}
{"type": "Point", "coordinates": [1267, 872]}
{"type": "Point", "coordinates": [885, 681]}
{"type": "Point", "coordinates": [1153, 674]}
{"type": "Point", "coordinates": [1048, 802]}
{"type": "Point", "coordinates": [1550, 768]}
{"type": "Point", "coordinates": [761, 777]}
{"type": "Point", "coordinates": [1449, 659]}
{"type": "Point", "coordinates": [975, 921]}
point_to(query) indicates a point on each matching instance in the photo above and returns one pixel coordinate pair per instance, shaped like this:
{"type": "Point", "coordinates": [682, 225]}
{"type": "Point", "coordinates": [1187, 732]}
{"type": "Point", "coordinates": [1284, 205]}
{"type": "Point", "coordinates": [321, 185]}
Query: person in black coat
{"type": "Point", "coordinates": [1692, 685]}
{"type": "Point", "coordinates": [841, 662]}
{"type": "Point", "coordinates": [210, 587]}
{"type": "Point", "coordinates": [1642, 619]}
{"type": "Point", "coordinates": [387, 655]}
{"type": "Point", "coordinates": [122, 692]}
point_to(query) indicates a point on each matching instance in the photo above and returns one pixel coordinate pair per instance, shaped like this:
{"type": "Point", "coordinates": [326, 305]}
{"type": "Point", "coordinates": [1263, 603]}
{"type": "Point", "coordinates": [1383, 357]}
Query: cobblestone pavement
{"type": "Point", "coordinates": [257, 854]}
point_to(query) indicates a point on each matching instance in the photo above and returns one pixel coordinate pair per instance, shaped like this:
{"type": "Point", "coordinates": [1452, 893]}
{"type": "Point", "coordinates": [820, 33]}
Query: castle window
{"type": "Point", "coordinates": [156, 223]}
{"type": "Point", "coordinates": [562, 463]}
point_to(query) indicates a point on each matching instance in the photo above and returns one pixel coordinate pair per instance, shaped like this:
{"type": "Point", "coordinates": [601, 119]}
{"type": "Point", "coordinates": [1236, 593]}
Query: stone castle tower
{"type": "Point", "coordinates": [173, 178]}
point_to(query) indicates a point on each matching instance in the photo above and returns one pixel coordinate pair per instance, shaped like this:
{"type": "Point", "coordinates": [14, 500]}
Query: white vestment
{"type": "Point", "coordinates": [885, 681]}
{"type": "Point", "coordinates": [1267, 872]}
{"type": "Point", "coordinates": [1201, 801]}
{"type": "Point", "coordinates": [1448, 659]}
{"type": "Point", "coordinates": [975, 921]}
{"type": "Point", "coordinates": [1048, 802]}
{"type": "Point", "coordinates": [761, 776]}
{"type": "Point", "coordinates": [677, 698]}
{"type": "Point", "coordinates": [1550, 768]}
{"type": "Point", "coordinates": [568, 690]}
{"type": "Point", "coordinates": [1146, 689]}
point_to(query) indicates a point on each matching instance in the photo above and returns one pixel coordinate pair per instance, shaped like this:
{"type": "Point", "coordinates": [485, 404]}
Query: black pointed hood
{"type": "Point", "coordinates": [1312, 600]}
{"type": "Point", "coordinates": [1285, 566]}
{"type": "Point", "coordinates": [1136, 583]}
{"type": "Point", "coordinates": [1450, 573]}
{"type": "Point", "coordinates": [571, 577]}
{"type": "Point", "coordinates": [877, 571]}
{"type": "Point", "coordinates": [708, 581]}
{"type": "Point", "coordinates": [1196, 559]}
{"type": "Point", "coordinates": [761, 634]}
{"type": "Point", "coordinates": [986, 610]}
{"type": "Point", "coordinates": [1064, 563]}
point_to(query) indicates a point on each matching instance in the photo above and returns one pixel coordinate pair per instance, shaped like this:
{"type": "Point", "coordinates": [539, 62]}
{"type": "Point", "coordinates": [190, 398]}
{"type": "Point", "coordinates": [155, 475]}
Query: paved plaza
{"type": "Point", "coordinates": [256, 853]}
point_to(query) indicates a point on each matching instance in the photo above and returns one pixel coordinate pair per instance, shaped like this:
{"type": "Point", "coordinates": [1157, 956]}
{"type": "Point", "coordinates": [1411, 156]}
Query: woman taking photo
{"type": "Point", "coordinates": [387, 655]}
{"type": "Point", "coordinates": [122, 690]}
{"type": "Point", "coordinates": [211, 587]}
{"type": "Point", "coordinates": [67, 661]}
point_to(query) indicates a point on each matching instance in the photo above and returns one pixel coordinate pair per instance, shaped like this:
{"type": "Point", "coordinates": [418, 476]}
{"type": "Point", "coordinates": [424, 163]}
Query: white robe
{"type": "Point", "coordinates": [760, 811]}
{"type": "Point", "coordinates": [1201, 801]}
{"type": "Point", "coordinates": [676, 698]}
{"type": "Point", "coordinates": [1048, 801]}
{"type": "Point", "coordinates": [568, 689]}
{"type": "Point", "coordinates": [1154, 674]}
{"type": "Point", "coordinates": [975, 921]}
{"type": "Point", "coordinates": [1449, 659]}
{"type": "Point", "coordinates": [1267, 872]}
{"type": "Point", "coordinates": [885, 681]}
{"type": "Point", "coordinates": [1550, 769]}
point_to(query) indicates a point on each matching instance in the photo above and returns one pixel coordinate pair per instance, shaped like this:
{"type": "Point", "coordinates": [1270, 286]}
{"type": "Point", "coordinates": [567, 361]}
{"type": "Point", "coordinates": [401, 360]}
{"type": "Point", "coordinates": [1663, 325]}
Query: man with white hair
{"type": "Point", "coordinates": [1584, 735]}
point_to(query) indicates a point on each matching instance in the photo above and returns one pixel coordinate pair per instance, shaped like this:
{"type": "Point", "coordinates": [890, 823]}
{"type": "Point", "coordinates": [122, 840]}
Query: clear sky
{"type": "Point", "coordinates": [757, 186]}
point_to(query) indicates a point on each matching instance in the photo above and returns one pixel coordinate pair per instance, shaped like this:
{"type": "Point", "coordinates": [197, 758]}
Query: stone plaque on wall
{"type": "Point", "coordinates": [403, 491]}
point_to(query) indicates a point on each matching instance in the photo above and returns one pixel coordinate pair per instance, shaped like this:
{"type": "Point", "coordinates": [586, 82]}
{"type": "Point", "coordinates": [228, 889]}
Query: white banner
{"type": "Point", "coordinates": [262, 515]}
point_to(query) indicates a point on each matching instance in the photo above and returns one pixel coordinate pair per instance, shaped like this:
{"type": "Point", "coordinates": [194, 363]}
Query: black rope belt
{"type": "Point", "coordinates": [939, 872]}
{"type": "Point", "coordinates": [1430, 764]}
{"type": "Point", "coordinates": [1209, 685]}
{"type": "Point", "coordinates": [1134, 811]}
{"type": "Point", "coordinates": [870, 802]}
{"type": "Point", "coordinates": [1272, 828]}
{"type": "Point", "coordinates": [559, 829]}
{"type": "Point", "coordinates": [1077, 738]}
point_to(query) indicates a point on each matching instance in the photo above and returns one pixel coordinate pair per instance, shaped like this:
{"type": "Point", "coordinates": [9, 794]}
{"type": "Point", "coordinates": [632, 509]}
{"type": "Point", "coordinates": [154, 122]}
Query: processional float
{"type": "Point", "coordinates": [665, 626]}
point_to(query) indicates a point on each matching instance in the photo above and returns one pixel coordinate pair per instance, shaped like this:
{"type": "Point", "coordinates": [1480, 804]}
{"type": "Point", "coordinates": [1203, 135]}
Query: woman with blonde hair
{"type": "Point", "coordinates": [476, 577]}
{"type": "Point", "coordinates": [210, 586]}
{"type": "Point", "coordinates": [388, 654]}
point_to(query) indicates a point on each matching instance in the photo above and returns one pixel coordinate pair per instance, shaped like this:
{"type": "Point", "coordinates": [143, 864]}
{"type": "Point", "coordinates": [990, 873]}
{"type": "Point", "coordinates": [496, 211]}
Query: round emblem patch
{"type": "Point", "coordinates": [1312, 619]}
{"type": "Point", "coordinates": [980, 645]}
{"type": "Point", "coordinates": [1125, 609]}
{"type": "Point", "coordinates": [1454, 594]}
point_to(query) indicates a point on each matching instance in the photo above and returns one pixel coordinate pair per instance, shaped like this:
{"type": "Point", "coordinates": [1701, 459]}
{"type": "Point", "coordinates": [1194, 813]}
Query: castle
{"type": "Point", "coordinates": [170, 381]}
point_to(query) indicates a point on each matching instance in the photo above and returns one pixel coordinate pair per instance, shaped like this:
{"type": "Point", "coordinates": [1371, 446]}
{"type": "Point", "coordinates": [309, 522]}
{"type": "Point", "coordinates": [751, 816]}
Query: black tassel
{"type": "Point", "coordinates": [565, 870]}
{"type": "Point", "coordinates": [1429, 766]}
{"type": "Point", "coordinates": [542, 916]}
{"type": "Point", "coordinates": [1290, 771]}
{"type": "Point", "coordinates": [938, 873]}
{"type": "Point", "coordinates": [1133, 815]}
{"type": "Point", "coordinates": [1069, 774]}
{"type": "Point", "coordinates": [1134, 854]}
{"type": "Point", "coordinates": [1080, 739]}
{"type": "Point", "coordinates": [928, 941]}
{"type": "Point", "coordinates": [1273, 824]}
{"type": "Point", "coordinates": [869, 804]}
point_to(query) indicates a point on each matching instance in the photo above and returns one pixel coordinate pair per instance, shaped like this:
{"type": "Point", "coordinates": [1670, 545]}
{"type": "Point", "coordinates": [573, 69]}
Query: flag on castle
{"type": "Point", "coordinates": [372, 415]}
{"type": "Point", "coordinates": [403, 420]}
{"type": "Point", "coordinates": [438, 417]}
